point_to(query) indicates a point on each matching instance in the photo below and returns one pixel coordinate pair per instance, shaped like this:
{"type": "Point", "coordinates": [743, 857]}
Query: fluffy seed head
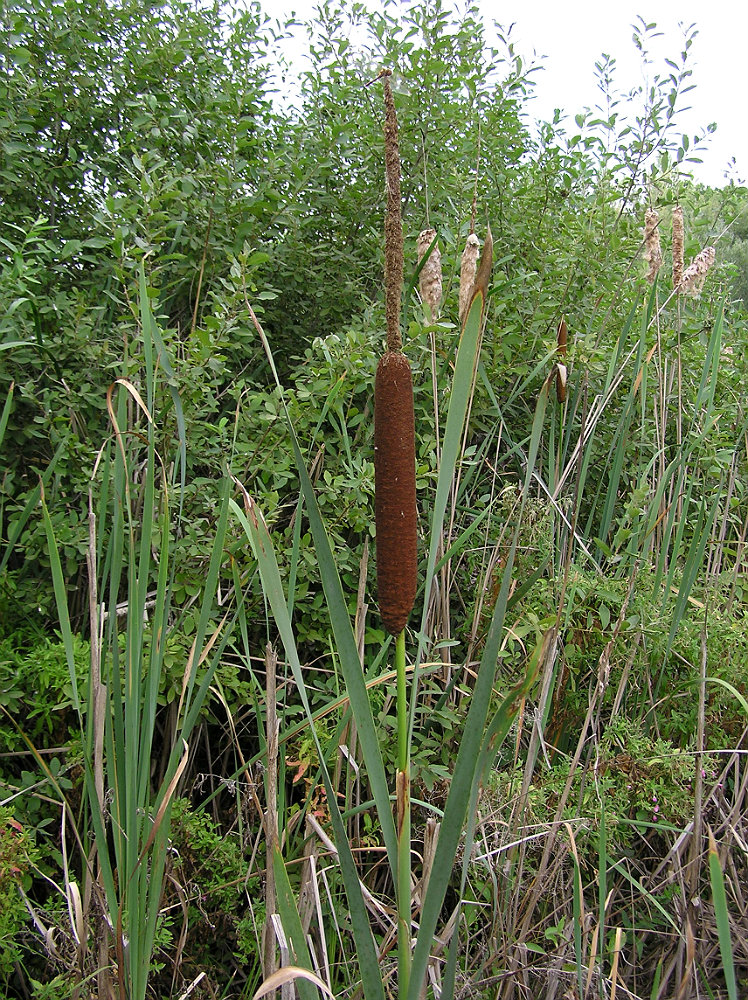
{"type": "Point", "coordinates": [430, 278]}
{"type": "Point", "coordinates": [695, 274]}
{"type": "Point", "coordinates": [468, 267]}
{"type": "Point", "coordinates": [395, 490]}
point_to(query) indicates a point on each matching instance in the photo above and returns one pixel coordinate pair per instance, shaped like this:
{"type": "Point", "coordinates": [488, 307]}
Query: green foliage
{"type": "Point", "coordinates": [205, 891]}
{"type": "Point", "coordinates": [147, 137]}
{"type": "Point", "coordinates": [18, 858]}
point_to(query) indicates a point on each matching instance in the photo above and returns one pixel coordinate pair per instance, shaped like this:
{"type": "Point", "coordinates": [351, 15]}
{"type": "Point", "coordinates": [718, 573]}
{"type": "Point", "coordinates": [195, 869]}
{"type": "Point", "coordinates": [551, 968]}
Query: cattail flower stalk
{"type": "Point", "coordinates": [652, 249]}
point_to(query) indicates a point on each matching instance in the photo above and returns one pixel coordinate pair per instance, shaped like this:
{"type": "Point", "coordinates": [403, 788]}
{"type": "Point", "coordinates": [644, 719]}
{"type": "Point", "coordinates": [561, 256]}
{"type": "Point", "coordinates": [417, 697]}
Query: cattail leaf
{"type": "Point", "coordinates": [289, 974]}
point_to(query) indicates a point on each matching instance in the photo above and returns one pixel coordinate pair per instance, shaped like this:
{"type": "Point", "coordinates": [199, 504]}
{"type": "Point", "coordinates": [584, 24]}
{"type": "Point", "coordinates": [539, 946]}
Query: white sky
{"type": "Point", "coordinates": [573, 35]}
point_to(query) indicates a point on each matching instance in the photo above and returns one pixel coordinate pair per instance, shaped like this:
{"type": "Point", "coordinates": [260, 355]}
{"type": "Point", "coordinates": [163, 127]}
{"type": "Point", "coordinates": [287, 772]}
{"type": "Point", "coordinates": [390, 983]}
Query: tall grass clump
{"type": "Point", "coordinates": [123, 829]}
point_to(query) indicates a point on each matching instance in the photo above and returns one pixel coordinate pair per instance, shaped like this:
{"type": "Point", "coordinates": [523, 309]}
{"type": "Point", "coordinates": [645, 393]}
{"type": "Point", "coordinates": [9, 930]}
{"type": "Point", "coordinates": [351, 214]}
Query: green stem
{"type": "Point", "coordinates": [403, 824]}
{"type": "Point", "coordinates": [402, 704]}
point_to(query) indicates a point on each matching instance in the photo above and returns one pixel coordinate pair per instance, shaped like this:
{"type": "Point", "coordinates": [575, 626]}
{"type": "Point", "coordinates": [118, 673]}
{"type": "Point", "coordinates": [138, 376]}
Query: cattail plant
{"type": "Point", "coordinates": [677, 247]}
{"type": "Point", "coordinates": [430, 277]}
{"type": "Point", "coordinates": [652, 249]}
{"type": "Point", "coordinates": [395, 508]}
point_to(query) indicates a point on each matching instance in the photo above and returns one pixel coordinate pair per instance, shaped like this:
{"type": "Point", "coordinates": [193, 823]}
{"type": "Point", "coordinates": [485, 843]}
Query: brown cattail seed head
{"type": "Point", "coordinates": [393, 225]}
{"type": "Point", "coordinates": [652, 249]}
{"type": "Point", "coordinates": [468, 267]}
{"type": "Point", "coordinates": [695, 274]}
{"type": "Point", "coordinates": [677, 246]}
{"type": "Point", "coordinates": [562, 337]}
{"type": "Point", "coordinates": [430, 278]}
{"type": "Point", "coordinates": [395, 490]}
{"type": "Point", "coordinates": [561, 382]}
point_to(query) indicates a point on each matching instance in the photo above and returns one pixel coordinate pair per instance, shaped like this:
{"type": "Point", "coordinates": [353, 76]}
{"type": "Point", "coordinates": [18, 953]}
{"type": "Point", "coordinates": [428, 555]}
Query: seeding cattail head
{"type": "Point", "coordinates": [395, 491]}
{"type": "Point", "coordinates": [430, 278]}
{"type": "Point", "coordinates": [677, 247]}
{"type": "Point", "coordinates": [561, 341]}
{"type": "Point", "coordinates": [468, 266]}
{"type": "Point", "coordinates": [695, 274]}
{"type": "Point", "coordinates": [652, 249]}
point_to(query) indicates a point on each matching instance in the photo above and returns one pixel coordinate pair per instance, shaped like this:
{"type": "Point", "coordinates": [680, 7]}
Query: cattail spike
{"type": "Point", "coordinates": [395, 490]}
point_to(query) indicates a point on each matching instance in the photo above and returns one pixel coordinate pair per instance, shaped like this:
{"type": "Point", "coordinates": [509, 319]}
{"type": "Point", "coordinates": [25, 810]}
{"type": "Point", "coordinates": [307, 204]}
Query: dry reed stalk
{"type": "Point", "coordinates": [695, 274]}
{"type": "Point", "coordinates": [652, 249]}
{"type": "Point", "coordinates": [468, 267]}
{"type": "Point", "coordinates": [394, 425]}
{"type": "Point", "coordinates": [430, 278]}
{"type": "Point", "coordinates": [677, 247]}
